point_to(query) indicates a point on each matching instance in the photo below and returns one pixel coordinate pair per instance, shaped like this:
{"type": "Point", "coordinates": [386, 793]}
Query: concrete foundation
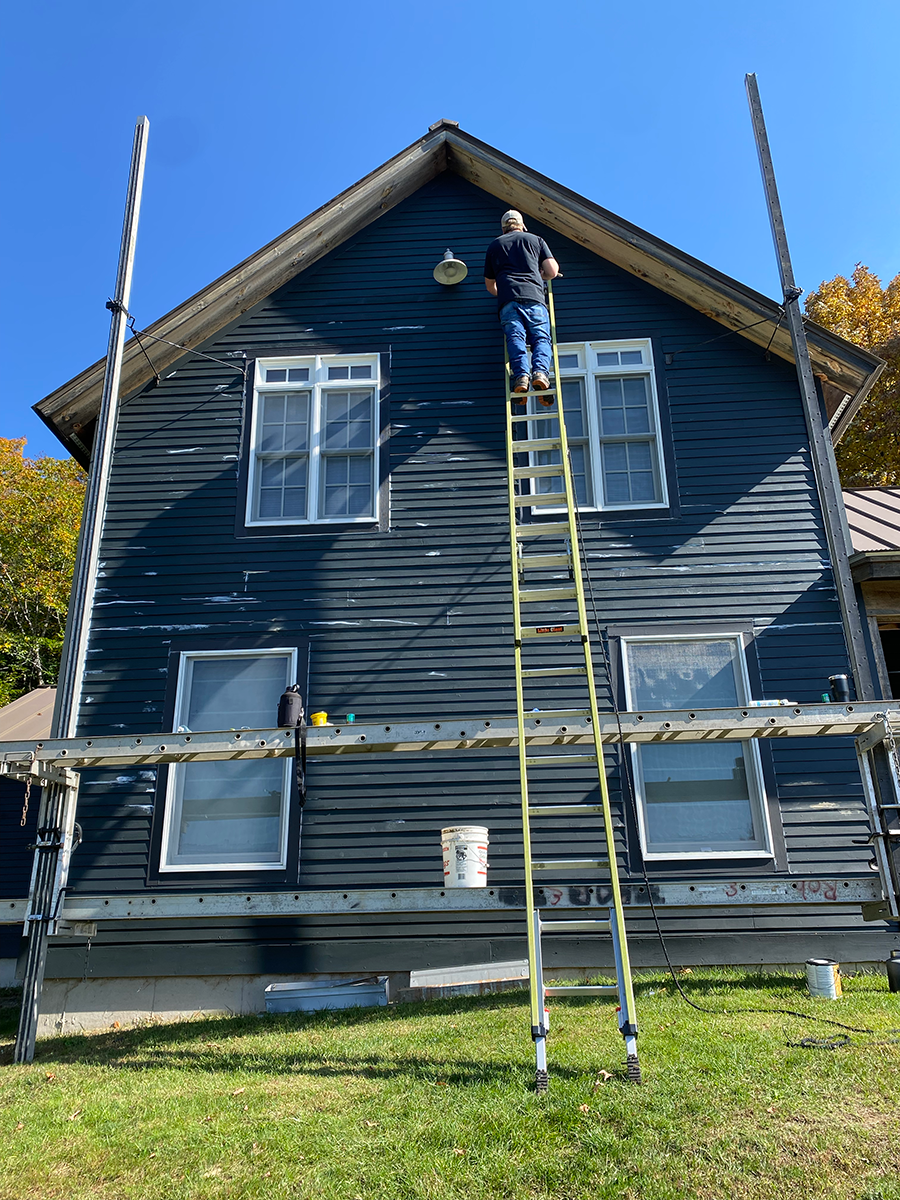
{"type": "Point", "coordinates": [92, 1005]}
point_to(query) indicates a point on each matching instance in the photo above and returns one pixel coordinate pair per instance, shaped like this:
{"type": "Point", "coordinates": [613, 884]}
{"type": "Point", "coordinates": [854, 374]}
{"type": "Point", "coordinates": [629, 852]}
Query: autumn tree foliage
{"type": "Point", "coordinates": [864, 312]}
{"type": "Point", "coordinates": [40, 510]}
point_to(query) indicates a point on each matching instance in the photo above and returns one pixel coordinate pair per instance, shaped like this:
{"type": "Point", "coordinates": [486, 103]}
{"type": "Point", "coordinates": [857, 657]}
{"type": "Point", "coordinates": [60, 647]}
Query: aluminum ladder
{"type": "Point", "coordinates": [543, 648]}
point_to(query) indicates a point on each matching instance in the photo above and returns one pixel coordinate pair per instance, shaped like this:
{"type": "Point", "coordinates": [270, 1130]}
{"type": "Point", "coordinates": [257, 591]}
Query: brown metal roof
{"type": "Point", "coordinates": [874, 518]}
{"type": "Point", "coordinates": [29, 717]}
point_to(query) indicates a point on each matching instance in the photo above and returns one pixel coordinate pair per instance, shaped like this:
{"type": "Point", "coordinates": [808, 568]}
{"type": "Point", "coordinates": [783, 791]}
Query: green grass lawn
{"type": "Point", "coordinates": [434, 1102]}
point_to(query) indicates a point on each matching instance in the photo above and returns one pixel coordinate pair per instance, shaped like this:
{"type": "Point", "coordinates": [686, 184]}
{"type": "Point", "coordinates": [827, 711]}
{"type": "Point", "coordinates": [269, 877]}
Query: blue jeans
{"type": "Point", "coordinates": [526, 324]}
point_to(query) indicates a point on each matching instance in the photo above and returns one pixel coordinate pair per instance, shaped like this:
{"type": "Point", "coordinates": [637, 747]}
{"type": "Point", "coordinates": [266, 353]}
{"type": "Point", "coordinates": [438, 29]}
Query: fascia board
{"type": "Point", "coordinates": [251, 281]}
{"type": "Point", "coordinates": [634, 250]}
{"type": "Point", "coordinates": [228, 298]}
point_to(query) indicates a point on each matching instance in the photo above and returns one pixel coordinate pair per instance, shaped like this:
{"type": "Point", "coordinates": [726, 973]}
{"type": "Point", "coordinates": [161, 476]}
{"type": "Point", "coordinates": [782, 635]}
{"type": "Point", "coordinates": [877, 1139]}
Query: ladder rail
{"type": "Point", "coordinates": [627, 1001]}
{"type": "Point", "coordinates": [535, 983]}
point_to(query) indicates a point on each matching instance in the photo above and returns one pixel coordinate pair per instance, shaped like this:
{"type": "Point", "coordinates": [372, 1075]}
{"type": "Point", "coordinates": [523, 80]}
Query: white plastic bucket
{"type": "Point", "coordinates": [465, 850]}
{"type": "Point", "coordinates": [823, 978]}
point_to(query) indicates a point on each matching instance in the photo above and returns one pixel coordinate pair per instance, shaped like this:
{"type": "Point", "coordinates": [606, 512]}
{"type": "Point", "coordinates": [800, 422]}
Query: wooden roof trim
{"type": "Point", "coordinates": [702, 287]}
{"type": "Point", "coordinates": [232, 294]}
{"type": "Point", "coordinates": [445, 147]}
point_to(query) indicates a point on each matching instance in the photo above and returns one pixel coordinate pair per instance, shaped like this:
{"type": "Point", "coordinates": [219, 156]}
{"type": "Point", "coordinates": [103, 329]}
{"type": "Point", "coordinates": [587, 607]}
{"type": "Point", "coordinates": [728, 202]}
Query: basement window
{"type": "Point", "coordinates": [612, 423]}
{"type": "Point", "coordinates": [695, 799]}
{"type": "Point", "coordinates": [228, 815]}
{"type": "Point", "coordinates": [314, 440]}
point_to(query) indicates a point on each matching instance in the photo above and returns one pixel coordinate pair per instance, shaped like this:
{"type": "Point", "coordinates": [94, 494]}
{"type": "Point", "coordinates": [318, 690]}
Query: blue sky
{"type": "Point", "coordinates": [262, 111]}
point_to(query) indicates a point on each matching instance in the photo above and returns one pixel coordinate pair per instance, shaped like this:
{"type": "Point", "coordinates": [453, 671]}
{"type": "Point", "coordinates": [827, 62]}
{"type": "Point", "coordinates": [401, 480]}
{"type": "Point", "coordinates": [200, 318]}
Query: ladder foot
{"type": "Point", "coordinates": [633, 1069]}
{"type": "Point", "coordinates": [542, 1082]}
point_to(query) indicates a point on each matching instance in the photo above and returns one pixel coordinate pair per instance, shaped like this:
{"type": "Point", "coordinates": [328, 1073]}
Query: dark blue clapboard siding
{"type": "Point", "coordinates": [416, 621]}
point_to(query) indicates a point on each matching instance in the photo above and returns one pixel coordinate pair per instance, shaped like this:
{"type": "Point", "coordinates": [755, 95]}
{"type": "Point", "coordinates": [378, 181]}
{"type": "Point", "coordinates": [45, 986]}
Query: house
{"type": "Point", "coordinates": [317, 492]}
{"type": "Point", "coordinates": [25, 719]}
{"type": "Point", "coordinates": [873, 515]}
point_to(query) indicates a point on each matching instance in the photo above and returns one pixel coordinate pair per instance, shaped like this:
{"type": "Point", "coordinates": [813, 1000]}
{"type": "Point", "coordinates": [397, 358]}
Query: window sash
{"type": "Point", "coordinates": [689, 792]}
{"type": "Point", "coordinates": [240, 808]}
{"type": "Point", "coordinates": [309, 477]}
{"type": "Point", "coordinates": [604, 485]}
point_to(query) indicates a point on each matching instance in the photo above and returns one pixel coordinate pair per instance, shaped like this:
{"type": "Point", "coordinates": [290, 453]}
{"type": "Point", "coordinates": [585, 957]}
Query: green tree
{"type": "Point", "coordinates": [863, 311]}
{"type": "Point", "coordinates": [40, 510]}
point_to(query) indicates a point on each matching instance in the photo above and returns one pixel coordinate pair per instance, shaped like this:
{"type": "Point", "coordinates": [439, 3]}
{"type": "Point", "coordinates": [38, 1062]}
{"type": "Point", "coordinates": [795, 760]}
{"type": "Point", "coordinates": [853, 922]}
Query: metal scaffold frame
{"type": "Point", "coordinates": [55, 763]}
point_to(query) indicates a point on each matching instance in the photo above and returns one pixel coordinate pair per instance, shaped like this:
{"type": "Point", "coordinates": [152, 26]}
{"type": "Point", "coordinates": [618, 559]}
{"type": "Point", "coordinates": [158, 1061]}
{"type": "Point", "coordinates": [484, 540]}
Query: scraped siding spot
{"type": "Point", "coordinates": [186, 450]}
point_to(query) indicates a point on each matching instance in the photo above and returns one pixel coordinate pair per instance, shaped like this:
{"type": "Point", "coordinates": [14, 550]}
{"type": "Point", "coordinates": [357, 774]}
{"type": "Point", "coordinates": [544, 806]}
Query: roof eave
{"type": "Point", "coordinates": [70, 409]}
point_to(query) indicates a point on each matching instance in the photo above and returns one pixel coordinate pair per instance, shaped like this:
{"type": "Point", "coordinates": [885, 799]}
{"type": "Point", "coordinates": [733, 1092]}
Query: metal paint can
{"type": "Point", "coordinates": [823, 978]}
{"type": "Point", "coordinates": [319, 718]}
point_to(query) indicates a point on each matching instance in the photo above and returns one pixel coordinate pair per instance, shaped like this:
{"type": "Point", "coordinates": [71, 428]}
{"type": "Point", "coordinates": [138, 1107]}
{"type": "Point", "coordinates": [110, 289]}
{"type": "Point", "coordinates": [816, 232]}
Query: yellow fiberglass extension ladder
{"type": "Point", "coordinates": [553, 658]}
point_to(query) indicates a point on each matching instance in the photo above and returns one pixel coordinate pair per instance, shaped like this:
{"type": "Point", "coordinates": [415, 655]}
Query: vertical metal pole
{"type": "Point", "coordinates": [57, 814]}
{"type": "Point", "coordinates": [821, 451]}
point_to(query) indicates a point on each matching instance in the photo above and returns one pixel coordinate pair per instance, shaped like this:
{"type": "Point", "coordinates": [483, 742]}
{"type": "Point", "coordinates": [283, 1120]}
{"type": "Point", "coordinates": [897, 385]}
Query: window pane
{"type": "Point", "coordinates": [362, 372]}
{"type": "Point", "coordinates": [689, 673]}
{"type": "Point", "coordinates": [285, 422]}
{"type": "Point", "coordinates": [298, 375]}
{"type": "Point", "coordinates": [624, 406]}
{"type": "Point", "coordinates": [697, 798]}
{"type": "Point", "coordinates": [568, 360]}
{"type": "Point", "coordinates": [229, 693]}
{"type": "Point", "coordinates": [637, 405]}
{"type": "Point", "coordinates": [608, 359]}
{"type": "Point", "coordinates": [628, 475]}
{"type": "Point", "coordinates": [282, 487]}
{"type": "Point", "coordinates": [338, 372]}
{"type": "Point", "coordinates": [348, 420]}
{"type": "Point", "coordinates": [630, 357]}
{"type": "Point", "coordinates": [573, 407]}
{"type": "Point", "coordinates": [229, 812]}
{"type": "Point", "coordinates": [276, 375]}
{"type": "Point", "coordinates": [347, 485]}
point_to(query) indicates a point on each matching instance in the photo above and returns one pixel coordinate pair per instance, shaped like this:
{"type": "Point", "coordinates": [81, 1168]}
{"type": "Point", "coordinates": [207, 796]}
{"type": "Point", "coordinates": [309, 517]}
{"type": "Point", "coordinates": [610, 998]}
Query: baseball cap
{"type": "Point", "coordinates": [511, 214]}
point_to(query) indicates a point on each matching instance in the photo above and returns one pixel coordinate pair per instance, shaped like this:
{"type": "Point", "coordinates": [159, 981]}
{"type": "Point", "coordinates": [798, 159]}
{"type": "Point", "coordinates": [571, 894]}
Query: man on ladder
{"type": "Point", "coordinates": [515, 266]}
{"type": "Point", "coordinates": [547, 629]}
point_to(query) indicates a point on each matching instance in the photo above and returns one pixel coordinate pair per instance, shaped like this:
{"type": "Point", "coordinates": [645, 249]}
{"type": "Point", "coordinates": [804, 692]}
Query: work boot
{"type": "Point", "coordinates": [540, 382]}
{"type": "Point", "coordinates": [522, 384]}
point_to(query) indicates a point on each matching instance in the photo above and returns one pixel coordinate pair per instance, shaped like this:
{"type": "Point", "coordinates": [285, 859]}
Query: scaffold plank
{"type": "Point", "coordinates": [453, 733]}
{"type": "Point", "coordinates": [223, 905]}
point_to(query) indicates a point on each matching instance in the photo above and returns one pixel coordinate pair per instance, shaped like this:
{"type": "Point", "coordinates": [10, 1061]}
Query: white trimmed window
{"type": "Point", "coordinates": [695, 799]}
{"type": "Point", "coordinates": [228, 816]}
{"type": "Point", "coordinates": [314, 440]}
{"type": "Point", "coordinates": [612, 423]}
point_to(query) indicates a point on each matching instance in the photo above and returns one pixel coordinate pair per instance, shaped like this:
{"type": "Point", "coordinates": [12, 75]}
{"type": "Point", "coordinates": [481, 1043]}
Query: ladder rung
{"type": "Point", "coordinates": [550, 469]}
{"type": "Point", "coordinates": [552, 631]}
{"type": "Point", "coordinates": [532, 562]}
{"type": "Point", "coordinates": [564, 810]}
{"type": "Point", "coordinates": [519, 397]}
{"type": "Point", "coordinates": [575, 926]}
{"type": "Point", "coordinates": [552, 672]}
{"type": "Point", "coordinates": [569, 864]}
{"type": "Point", "coordinates": [539, 444]}
{"type": "Point", "coordinates": [536, 416]}
{"type": "Point", "coordinates": [584, 989]}
{"type": "Point", "coordinates": [550, 529]}
{"type": "Point", "coordinates": [556, 760]}
{"type": "Point", "coordinates": [536, 499]}
{"type": "Point", "coordinates": [535, 595]}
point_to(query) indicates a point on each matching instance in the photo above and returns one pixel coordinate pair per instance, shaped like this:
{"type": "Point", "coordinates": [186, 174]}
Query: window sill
{"type": "Point", "coordinates": [310, 529]}
{"type": "Point", "coordinates": [705, 855]}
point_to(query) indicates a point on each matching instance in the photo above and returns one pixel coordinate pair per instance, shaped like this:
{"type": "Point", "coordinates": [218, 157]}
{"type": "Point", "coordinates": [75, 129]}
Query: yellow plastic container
{"type": "Point", "coordinates": [320, 718]}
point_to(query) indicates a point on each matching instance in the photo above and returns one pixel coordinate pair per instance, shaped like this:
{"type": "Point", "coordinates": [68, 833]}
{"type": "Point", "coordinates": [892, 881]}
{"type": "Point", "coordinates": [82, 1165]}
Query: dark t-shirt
{"type": "Point", "coordinates": [514, 260]}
